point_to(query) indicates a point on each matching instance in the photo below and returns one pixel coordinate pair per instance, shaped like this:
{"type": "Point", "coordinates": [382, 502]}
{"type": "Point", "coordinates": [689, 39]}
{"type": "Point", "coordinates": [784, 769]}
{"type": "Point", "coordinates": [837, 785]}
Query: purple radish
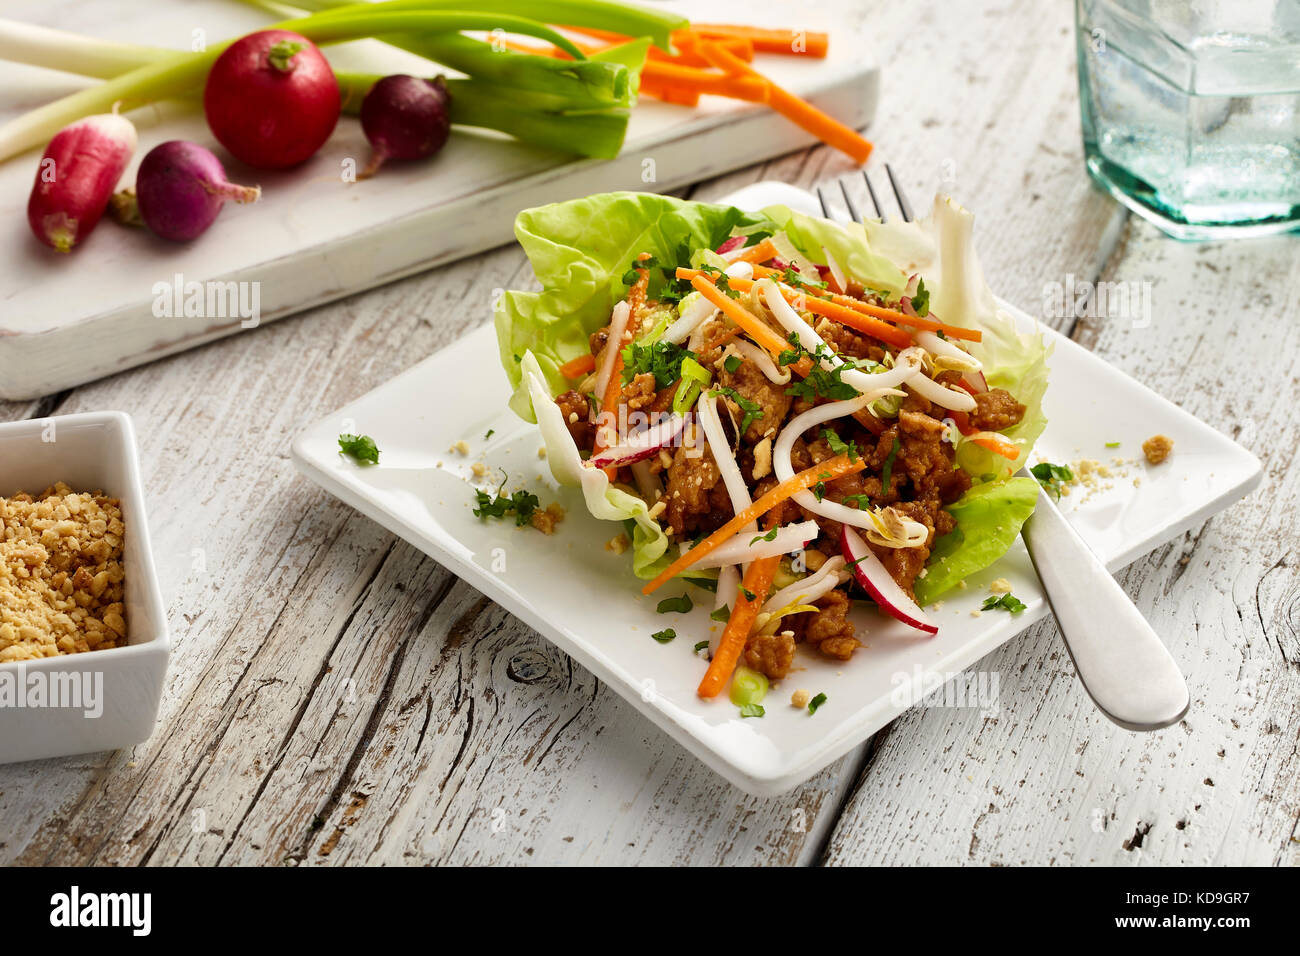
{"type": "Point", "coordinates": [405, 117]}
{"type": "Point", "coordinates": [181, 187]}
{"type": "Point", "coordinates": [76, 178]}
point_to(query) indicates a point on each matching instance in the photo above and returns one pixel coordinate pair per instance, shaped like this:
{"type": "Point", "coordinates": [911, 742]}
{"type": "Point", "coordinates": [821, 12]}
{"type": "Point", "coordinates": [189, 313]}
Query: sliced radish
{"type": "Point", "coordinates": [735, 242]}
{"type": "Point", "coordinates": [880, 584]}
{"type": "Point", "coordinates": [641, 445]}
{"type": "Point", "coordinates": [976, 380]}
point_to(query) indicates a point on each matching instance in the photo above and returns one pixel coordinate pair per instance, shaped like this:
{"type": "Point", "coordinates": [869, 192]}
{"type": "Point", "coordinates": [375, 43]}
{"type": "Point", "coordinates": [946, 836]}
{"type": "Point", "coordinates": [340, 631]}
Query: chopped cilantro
{"type": "Point", "coordinates": [701, 646]}
{"type": "Point", "coordinates": [680, 604]}
{"type": "Point", "coordinates": [921, 301]}
{"type": "Point", "coordinates": [732, 362]}
{"type": "Point", "coordinates": [839, 446]}
{"type": "Point", "coordinates": [1052, 476]}
{"type": "Point", "coordinates": [721, 614]}
{"type": "Point", "coordinates": [862, 501]}
{"type": "Point", "coordinates": [749, 595]}
{"type": "Point", "coordinates": [1004, 602]}
{"type": "Point", "coordinates": [360, 448]}
{"type": "Point", "coordinates": [662, 359]}
{"type": "Point", "coordinates": [820, 382]}
{"type": "Point", "coordinates": [751, 408]}
{"type": "Point", "coordinates": [521, 504]}
{"type": "Point", "coordinates": [770, 536]}
{"type": "Point", "coordinates": [887, 469]}
{"type": "Point", "coordinates": [490, 433]}
{"type": "Point", "coordinates": [664, 636]}
{"type": "Point", "coordinates": [819, 490]}
{"type": "Point", "coordinates": [752, 710]}
{"type": "Point", "coordinates": [815, 703]}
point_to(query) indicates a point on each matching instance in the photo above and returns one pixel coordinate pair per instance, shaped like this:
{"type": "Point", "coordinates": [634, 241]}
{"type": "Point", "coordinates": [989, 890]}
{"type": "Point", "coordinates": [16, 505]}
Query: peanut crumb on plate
{"type": "Point", "coordinates": [800, 698]}
{"type": "Point", "coordinates": [61, 574]}
{"type": "Point", "coordinates": [545, 521]}
{"type": "Point", "coordinates": [617, 544]}
{"type": "Point", "coordinates": [1157, 448]}
{"type": "Point", "coordinates": [1000, 586]}
{"type": "Point", "coordinates": [461, 447]}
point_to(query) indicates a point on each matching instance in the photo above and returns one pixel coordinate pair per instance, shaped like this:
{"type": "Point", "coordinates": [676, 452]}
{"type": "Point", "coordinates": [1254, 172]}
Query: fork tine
{"type": "Point", "coordinates": [903, 204]}
{"type": "Point", "coordinates": [848, 201]}
{"type": "Point", "coordinates": [875, 201]}
{"type": "Point", "coordinates": [826, 209]}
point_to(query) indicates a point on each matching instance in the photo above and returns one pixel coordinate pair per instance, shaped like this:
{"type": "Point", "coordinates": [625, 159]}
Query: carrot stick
{"type": "Point", "coordinates": [827, 470]}
{"type": "Point", "coordinates": [890, 315]}
{"type": "Point", "coordinates": [578, 366]}
{"type": "Point", "coordinates": [704, 81]}
{"type": "Point", "coordinates": [997, 445]}
{"type": "Point", "coordinates": [761, 332]}
{"type": "Point", "coordinates": [827, 129]}
{"type": "Point", "coordinates": [614, 387]}
{"type": "Point", "coordinates": [766, 40]}
{"type": "Point", "coordinates": [677, 95]}
{"type": "Point", "coordinates": [687, 55]}
{"type": "Point", "coordinates": [758, 252]}
{"type": "Point", "coordinates": [812, 303]}
{"type": "Point", "coordinates": [758, 582]}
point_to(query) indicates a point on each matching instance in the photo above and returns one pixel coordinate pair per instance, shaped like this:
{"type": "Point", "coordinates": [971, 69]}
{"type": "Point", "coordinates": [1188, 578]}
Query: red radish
{"type": "Point", "coordinates": [76, 178]}
{"type": "Point", "coordinates": [271, 99]}
{"type": "Point", "coordinates": [181, 187]}
{"type": "Point", "coordinates": [735, 242]}
{"type": "Point", "coordinates": [880, 584]}
{"type": "Point", "coordinates": [641, 445]}
{"type": "Point", "coordinates": [405, 117]}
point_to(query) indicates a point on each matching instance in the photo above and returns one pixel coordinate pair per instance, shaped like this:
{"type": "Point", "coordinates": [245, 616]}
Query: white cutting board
{"type": "Point", "coordinates": [65, 320]}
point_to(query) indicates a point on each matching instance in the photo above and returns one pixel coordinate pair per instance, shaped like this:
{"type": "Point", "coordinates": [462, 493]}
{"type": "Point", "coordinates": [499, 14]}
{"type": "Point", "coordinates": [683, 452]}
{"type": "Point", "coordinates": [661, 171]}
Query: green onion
{"type": "Point", "coordinates": [694, 378]}
{"type": "Point", "coordinates": [748, 686]}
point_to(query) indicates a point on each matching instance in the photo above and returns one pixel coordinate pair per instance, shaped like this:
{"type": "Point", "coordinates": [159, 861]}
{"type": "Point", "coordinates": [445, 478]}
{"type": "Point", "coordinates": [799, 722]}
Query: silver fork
{"type": "Point", "coordinates": [1121, 662]}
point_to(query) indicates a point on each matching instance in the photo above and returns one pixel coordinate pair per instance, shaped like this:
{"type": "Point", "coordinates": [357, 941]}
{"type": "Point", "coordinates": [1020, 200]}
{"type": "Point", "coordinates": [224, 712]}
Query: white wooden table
{"type": "Point", "coordinates": [336, 697]}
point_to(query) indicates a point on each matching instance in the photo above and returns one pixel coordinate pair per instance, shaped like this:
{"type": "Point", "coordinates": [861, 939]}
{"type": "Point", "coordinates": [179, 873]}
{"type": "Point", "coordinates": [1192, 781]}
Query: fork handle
{"type": "Point", "coordinates": [1128, 672]}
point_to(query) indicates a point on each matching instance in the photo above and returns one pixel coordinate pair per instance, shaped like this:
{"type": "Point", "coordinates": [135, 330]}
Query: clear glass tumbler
{"type": "Point", "coordinates": [1191, 111]}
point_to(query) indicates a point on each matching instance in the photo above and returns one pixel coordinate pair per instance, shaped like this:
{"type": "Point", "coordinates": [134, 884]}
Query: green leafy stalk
{"type": "Point", "coordinates": [178, 73]}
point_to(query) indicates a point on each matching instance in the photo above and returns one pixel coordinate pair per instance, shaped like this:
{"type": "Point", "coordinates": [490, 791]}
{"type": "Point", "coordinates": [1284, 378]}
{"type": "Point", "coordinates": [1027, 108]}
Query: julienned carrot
{"type": "Point", "coordinates": [740, 46]}
{"type": "Point", "coordinates": [614, 387]}
{"type": "Point", "coordinates": [767, 40]}
{"type": "Point", "coordinates": [827, 129]}
{"type": "Point", "coordinates": [581, 365]}
{"type": "Point", "coordinates": [757, 582]}
{"type": "Point", "coordinates": [889, 315]}
{"type": "Point", "coordinates": [758, 252]}
{"type": "Point", "coordinates": [998, 446]}
{"type": "Point", "coordinates": [677, 95]}
{"type": "Point", "coordinates": [704, 81]}
{"type": "Point", "coordinates": [827, 470]}
{"type": "Point", "coordinates": [811, 303]}
{"type": "Point", "coordinates": [761, 332]}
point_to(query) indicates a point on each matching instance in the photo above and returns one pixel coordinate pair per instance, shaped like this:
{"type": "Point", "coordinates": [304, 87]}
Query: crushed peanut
{"type": "Point", "coordinates": [618, 544]}
{"type": "Point", "coordinates": [800, 698]}
{"type": "Point", "coordinates": [1000, 586]}
{"type": "Point", "coordinates": [61, 574]}
{"type": "Point", "coordinates": [545, 521]}
{"type": "Point", "coordinates": [461, 447]}
{"type": "Point", "coordinates": [1157, 448]}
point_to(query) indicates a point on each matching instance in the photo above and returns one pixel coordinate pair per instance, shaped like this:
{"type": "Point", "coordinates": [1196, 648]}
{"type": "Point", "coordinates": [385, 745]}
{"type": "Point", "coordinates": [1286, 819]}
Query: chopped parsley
{"type": "Point", "coordinates": [521, 504]}
{"type": "Point", "coordinates": [664, 636]}
{"type": "Point", "coordinates": [721, 614]}
{"type": "Point", "coordinates": [662, 359]}
{"type": "Point", "coordinates": [360, 448]}
{"type": "Point", "coordinates": [921, 301]}
{"type": "Point", "coordinates": [839, 446]}
{"type": "Point", "coordinates": [752, 710]}
{"type": "Point", "coordinates": [751, 408]}
{"type": "Point", "coordinates": [1003, 602]}
{"type": "Point", "coordinates": [732, 362]}
{"type": "Point", "coordinates": [815, 703]}
{"type": "Point", "coordinates": [887, 469]}
{"type": "Point", "coordinates": [770, 536]}
{"type": "Point", "coordinates": [680, 605]}
{"type": "Point", "coordinates": [1052, 477]}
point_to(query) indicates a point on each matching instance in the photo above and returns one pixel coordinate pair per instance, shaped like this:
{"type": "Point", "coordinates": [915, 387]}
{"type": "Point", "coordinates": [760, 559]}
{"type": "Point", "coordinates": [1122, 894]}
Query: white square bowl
{"type": "Point", "coordinates": [88, 452]}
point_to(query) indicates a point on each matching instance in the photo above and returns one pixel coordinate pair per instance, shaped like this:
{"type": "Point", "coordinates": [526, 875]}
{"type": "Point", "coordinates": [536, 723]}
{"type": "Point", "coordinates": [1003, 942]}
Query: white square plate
{"type": "Point", "coordinates": [586, 599]}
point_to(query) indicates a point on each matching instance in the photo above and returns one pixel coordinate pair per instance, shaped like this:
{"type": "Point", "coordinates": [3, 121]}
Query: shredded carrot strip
{"type": "Point", "coordinates": [758, 252]}
{"type": "Point", "coordinates": [687, 55]}
{"type": "Point", "coordinates": [677, 95]}
{"type": "Point", "coordinates": [578, 366]}
{"type": "Point", "coordinates": [828, 470]}
{"type": "Point", "coordinates": [614, 387]}
{"type": "Point", "coordinates": [811, 303]}
{"type": "Point", "coordinates": [889, 315]}
{"type": "Point", "coordinates": [827, 129]}
{"type": "Point", "coordinates": [997, 446]}
{"type": "Point", "coordinates": [762, 333]}
{"type": "Point", "coordinates": [765, 40]}
{"type": "Point", "coordinates": [661, 75]}
{"type": "Point", "coordinates": [758, 582]}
